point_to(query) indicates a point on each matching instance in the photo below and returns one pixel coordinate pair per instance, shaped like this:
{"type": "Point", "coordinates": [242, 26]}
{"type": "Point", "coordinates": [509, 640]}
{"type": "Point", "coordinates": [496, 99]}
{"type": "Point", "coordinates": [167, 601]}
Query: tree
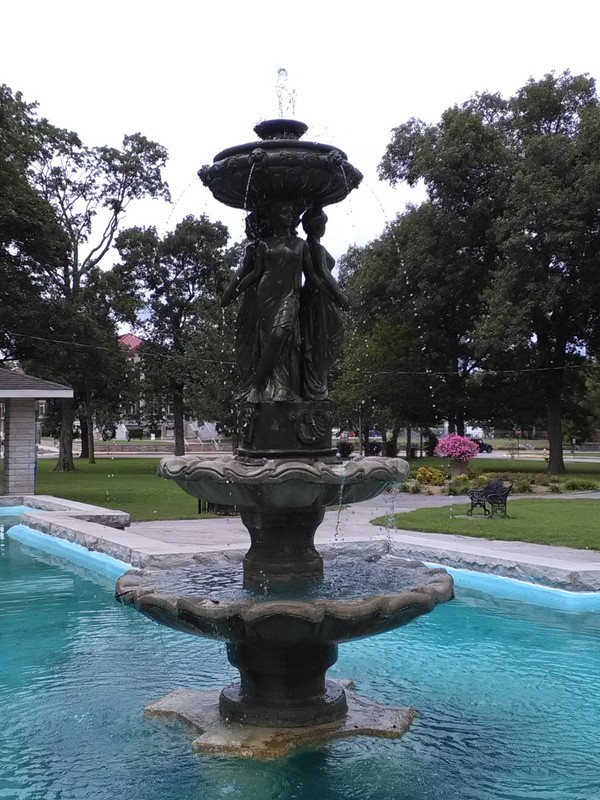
{"type": "Point", "coordinates": [89, 189]}
{"type": "Point", "coordinates": [419, 282]}
{"type": "Point", "coordinates": [187, 354]}
{"type": "Point", "coordinates": [78, 340]}
{"type": "Point", "coordinates": [87, 185]}
{"type": "Point", "coordinates": [530, 199]}
{"type": "Point", "coordinates": [32, 242]}
{"type": "Point", "coordinates": [378, 376]}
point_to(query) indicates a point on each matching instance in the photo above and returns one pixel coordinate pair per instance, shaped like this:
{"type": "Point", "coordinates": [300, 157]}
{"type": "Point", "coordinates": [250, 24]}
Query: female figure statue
{"type": "Point", "coordinates": [246, 333]}
{"type": "Point", "coordinates": [281, 259]}
{"type": "Point", "coordinates": [321, 323]}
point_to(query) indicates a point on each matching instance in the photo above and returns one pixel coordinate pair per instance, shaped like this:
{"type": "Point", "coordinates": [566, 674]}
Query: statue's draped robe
{"type": "Point", "coordinates": [278, 307]}
{"type": "Point", "coordinates": [321, 329]}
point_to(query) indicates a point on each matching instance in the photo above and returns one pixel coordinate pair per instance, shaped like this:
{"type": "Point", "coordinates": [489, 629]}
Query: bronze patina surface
{"type": "Point", "coordinates": [282, 477]}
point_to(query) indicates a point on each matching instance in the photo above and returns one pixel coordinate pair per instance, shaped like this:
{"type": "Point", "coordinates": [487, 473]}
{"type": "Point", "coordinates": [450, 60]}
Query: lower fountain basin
{"type": "Point", "coordinates": [275, 483]}
{"type": "Point", "coordinates": [354, 601]}
{"type": "Point", "coordinates": [283, 639]}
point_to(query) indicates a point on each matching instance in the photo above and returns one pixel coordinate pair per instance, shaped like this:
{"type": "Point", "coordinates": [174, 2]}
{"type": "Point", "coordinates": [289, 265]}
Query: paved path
{"type": "Point", "coordinates": [162, 542]}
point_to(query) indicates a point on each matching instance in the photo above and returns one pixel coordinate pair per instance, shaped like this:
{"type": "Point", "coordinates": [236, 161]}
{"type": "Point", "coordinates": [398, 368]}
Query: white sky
{"type": "Point", "coordinates": [197, 76]}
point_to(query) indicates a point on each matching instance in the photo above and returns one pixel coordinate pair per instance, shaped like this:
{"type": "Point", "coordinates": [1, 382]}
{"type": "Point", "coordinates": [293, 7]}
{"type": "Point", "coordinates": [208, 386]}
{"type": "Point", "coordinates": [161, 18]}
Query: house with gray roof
{"type": "Point", "coordinates": [19, 394]}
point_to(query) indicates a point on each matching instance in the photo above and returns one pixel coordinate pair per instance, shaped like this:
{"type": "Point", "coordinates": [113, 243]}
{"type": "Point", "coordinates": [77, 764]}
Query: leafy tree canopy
{"type": "Point", "coordinates": [177, 281]}
{"type": "Point", "coordinates": [515, 185]}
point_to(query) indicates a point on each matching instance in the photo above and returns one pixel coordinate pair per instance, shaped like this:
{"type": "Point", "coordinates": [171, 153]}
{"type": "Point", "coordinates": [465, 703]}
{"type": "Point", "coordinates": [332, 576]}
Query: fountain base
{"type": "Point", "coordinates": [283, 686]}
{"type": "Point", "coordinates": [219, 736]}
{"type": "Point", "coordinates": [330, 706]}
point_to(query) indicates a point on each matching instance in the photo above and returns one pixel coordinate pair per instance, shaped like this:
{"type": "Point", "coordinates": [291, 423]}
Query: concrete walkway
{"type": "Point", "coordinates": [165, 542]}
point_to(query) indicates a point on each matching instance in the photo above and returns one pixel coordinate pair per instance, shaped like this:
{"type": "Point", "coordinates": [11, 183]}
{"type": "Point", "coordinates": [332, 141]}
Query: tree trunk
{"type": "Point", "coordinates": [90, 439]}
{"type": "Point", "coordinates": [432, 441]}
{"type": "Point", "coordinates": [556, 464]}
{"type": "Point", "coordinates": [391, 447]}
{"type": "Point", "coordinates": [408, 440]}
{"type": "Point", "coordinates": [65, 446]}
{"type": "Point", "coordinates": [178, 419]}
{"type": "Point", "coordinates": [83, 424]}
{"type": "Point", "coordinates": [365, 439]}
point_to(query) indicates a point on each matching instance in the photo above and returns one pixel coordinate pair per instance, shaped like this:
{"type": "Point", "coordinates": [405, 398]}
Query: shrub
{"type": "Point", "coordinates": [459, 485]}
{"type": "Point", "coordinates": [580, 485]}
{"type": "Point", "coordinates": [415, 487]}
{"type": "Point", "coordinates": [431, 476]}
{"type": "Point", "coordinates": [555, 487]}
{"type": "Point", "coordinates": [108, 432]}
{"type": "Point", "coordinates": [481, 481]}
{"type": "Point", "coordinates": [522, 486]}
{"type": "Point", "coordinates": [458, 448]}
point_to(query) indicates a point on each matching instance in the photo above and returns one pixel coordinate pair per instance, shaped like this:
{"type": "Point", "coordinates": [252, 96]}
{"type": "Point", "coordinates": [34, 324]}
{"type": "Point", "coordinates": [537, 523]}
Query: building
{"type": "Point", "coordinates": [19, 396]}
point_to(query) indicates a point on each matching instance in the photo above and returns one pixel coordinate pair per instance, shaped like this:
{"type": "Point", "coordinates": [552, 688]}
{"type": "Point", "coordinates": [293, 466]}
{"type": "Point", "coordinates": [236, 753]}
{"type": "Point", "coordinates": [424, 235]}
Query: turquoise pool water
{"type": "Point", "coordinates": [508, 698]}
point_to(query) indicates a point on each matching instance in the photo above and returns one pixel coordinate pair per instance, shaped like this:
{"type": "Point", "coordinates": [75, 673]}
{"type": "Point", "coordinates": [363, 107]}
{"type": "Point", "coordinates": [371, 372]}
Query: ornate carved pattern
{"type": "Point", "coordinates": [247, 418]}
{"type": "Point", "coordinates": [280, 168]}
{"type": "Point", "coordinates": [311, 425]}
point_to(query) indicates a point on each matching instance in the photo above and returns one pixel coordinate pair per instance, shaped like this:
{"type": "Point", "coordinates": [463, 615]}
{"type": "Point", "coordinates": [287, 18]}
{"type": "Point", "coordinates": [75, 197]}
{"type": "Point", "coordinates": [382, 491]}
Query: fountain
{"type": "Point", "coordinates": [281, 615]}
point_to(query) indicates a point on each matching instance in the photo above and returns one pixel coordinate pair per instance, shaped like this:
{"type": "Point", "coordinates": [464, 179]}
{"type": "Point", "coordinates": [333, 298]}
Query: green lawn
{"type": "Point", "coordinates": [571, 523]}
{"type": "Point", "coordinates": [127, 484]}
{"type": "Point", "coordinates": [478, 465]}
{"type": "Point", "coordinates": [131, 484]}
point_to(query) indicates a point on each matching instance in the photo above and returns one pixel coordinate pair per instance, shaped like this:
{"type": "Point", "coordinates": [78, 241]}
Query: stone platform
{"type": "Point", "coordinates": [200, 709]}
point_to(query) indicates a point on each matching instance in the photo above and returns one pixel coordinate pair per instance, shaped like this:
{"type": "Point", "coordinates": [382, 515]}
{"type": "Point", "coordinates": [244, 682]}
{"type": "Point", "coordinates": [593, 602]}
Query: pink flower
{"type": "Point", "coordinates": [458, 448]}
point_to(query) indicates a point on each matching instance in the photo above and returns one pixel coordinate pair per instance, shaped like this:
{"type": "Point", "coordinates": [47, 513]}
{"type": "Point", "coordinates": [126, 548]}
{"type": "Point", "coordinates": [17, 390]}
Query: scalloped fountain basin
{"type": "Point", "coordinates": [355, 599]}
{"type": "Point", "coordinates": [276, 483]}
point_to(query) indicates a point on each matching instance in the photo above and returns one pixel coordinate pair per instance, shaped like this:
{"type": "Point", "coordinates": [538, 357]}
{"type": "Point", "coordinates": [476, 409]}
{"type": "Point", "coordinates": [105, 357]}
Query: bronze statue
{"type": "Point", "coordinates": [321, 323]}
{"type": "Point", "coordinates": [246, 333]}
{"type": "Point", "coordinates": [271, 319]}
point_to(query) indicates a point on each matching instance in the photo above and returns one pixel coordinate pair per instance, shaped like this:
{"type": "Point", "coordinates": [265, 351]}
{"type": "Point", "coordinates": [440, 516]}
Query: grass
{"type": "Point", "coordinates": [127, 484]}
{"type": "Point", "coordinates": [574, 469]}
{"type": "Point", "coordinates": [570, 523]}
{"type": "Point", "coordinates": [131, 485]}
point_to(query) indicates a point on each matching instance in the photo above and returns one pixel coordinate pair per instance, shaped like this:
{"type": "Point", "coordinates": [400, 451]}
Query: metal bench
{"type": "Point", "coordinates": [491, 498]}
{"type": "Point", "coordinates": [219, 509]}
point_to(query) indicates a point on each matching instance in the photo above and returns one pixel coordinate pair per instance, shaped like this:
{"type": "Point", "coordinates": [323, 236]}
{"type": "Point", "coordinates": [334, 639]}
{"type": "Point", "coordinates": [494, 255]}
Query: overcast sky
{"type": "Point", "coordinates": [197, 76]}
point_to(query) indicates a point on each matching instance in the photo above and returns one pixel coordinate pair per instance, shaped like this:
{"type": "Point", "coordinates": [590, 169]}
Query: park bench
{"type": "Point", "coordinates": [491, 498]}
{"type": "Point", "coordinates": [219, 509]}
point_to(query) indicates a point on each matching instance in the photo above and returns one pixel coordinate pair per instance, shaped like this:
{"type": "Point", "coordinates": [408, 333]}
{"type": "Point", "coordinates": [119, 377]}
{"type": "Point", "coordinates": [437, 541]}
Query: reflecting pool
{"type": "Point", "coordinates": [507, 695]}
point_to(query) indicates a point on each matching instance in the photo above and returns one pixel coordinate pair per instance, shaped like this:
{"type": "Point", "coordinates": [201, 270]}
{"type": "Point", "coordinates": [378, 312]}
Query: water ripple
{"type": "Point", "coordinates": [507, 699]}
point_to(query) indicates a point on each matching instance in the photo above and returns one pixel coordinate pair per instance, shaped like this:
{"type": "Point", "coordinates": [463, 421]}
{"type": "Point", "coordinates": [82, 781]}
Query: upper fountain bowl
{"type": "Point", "coordinates": [280, 129]}
{"type": "Point", "coordinates": [278, 483]}
{"type": "Point", "coordinates": [280, 167]}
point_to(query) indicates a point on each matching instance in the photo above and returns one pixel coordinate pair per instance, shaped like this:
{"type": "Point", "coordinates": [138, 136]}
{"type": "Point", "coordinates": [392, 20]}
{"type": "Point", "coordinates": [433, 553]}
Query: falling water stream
{"type": "Point", "coordinates": [248, 186]}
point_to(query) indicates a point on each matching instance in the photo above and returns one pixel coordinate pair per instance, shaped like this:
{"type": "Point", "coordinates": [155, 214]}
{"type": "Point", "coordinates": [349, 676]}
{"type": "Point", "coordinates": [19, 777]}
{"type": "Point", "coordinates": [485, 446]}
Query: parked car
{"type": "Point", "coordinates": [484, 447]}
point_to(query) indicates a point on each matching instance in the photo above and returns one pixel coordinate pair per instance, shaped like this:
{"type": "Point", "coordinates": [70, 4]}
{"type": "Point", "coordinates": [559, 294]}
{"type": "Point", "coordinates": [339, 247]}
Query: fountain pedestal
{"type": "Point", "coordinates": [283, 686]}
{"type": "Point", "coordinates": [282, 549]}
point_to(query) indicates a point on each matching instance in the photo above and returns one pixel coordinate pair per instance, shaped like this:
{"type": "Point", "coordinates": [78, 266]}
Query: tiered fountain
{"type": "Point", "coordinates": [280, 616]}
